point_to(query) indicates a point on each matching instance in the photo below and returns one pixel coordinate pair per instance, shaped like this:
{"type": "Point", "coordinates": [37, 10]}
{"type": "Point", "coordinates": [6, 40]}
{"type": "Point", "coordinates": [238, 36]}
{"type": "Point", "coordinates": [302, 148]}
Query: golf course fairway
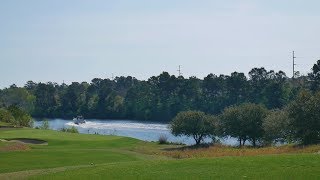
{"type": "Point", "coordinates": [81, 156]}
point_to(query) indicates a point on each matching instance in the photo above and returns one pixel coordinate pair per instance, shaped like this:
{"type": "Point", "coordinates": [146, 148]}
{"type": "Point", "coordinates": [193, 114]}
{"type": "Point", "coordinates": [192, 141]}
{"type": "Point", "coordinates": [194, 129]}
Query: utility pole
{"type": "Point", "coordinates": [179, 70]}
{"type": "Point", "coordinates": [293, 65]}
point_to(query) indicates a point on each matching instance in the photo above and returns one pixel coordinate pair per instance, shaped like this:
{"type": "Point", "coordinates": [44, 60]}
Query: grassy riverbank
{"type": "Point", "coordinates": [80, 156]}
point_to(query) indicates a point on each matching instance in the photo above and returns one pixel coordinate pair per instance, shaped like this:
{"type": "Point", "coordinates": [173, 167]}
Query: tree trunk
{"type": "Point", "coordinates": [240, 140]}
{"type": "Point", "coordinates": [244, 142]}
{"type": "Point", "coordinates": [197, 139]}
{"type": "Point", "coordinates": [254, 142]}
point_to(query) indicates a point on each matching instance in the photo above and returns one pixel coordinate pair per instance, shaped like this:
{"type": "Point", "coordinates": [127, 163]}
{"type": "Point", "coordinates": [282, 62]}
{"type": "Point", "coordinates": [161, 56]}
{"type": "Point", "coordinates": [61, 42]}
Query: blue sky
{"type": "Point", "coordinates": [77, 40]}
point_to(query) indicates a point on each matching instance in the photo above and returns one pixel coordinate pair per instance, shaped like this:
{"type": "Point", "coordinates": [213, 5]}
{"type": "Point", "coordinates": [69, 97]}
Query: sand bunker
{"type": "Point", "coordinates": [29, 141]}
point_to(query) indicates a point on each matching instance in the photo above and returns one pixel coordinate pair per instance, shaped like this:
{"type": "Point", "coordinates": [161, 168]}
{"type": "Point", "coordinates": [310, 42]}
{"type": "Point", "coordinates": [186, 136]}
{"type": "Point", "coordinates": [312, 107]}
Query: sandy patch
{"type": "Point", "coordinates": [29, 141]}
{"type": "Point", "coordinates": [14, 146]}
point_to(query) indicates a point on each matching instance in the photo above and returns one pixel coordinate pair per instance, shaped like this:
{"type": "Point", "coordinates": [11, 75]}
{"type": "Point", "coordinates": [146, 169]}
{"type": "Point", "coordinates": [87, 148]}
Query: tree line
{"type": "Point", "coordinates": [298, 122]}
{"type": "Point", "coordinates": [160, 98]}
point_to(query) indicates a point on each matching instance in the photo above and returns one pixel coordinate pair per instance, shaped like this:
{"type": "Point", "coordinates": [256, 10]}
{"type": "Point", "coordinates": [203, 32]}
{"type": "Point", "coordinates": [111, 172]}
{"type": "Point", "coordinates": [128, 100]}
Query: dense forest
{"type": "Point", "coordinates": [160, 98]}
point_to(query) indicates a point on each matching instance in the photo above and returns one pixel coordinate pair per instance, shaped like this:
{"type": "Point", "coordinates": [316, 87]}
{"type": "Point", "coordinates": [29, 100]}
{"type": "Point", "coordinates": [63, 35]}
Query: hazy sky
{"type": "Point", "coordinates": [77, 40]}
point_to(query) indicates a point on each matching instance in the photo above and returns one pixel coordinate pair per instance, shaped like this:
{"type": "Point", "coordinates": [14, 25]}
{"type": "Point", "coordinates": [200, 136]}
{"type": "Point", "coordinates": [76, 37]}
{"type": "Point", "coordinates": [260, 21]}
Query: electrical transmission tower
{"type": "Point", "coordinates": [293, 65]}
{"type": "Point", "coordinates": [179, 70]}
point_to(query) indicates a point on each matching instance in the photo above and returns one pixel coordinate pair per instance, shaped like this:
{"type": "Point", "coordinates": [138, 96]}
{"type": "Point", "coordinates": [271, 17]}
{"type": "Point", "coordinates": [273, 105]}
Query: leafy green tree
{"type": "Point", "coordinates": [258, 82]}
{"type": "Point", "coordinates": [74, 99]}
{"type": "Point", "coordinates": [191, 90]}
{"type": "Point", "coordinates": [104, 92]}
{"type": "Point", "coordinates": [6, 116]}
{"type": "Point", "coordinates": [141, 103]}
{"type": "Point", "coordinates": [244, 122]}
{"type": "Point", "coordinates": [194, 124]}
{"type": "Point", "coordinates": [30, 86]}
{"type": "Point", "coordinates": [277, 90]}
{"type": "Point", "coordinates": [46, 100]}
{"type": "Point", "coordinates": [16, 96]}
{"type": "Point", "coordinates": [21, 117]}
{"type": "Point", "coordinates": [305, 118]}
{"type": "Point", "coordinates": [314, 77]}
{"type": "Point", "coordinates": [115, 106]}
{"type": "Point", "coordinates": [214, 94]}
{"type": "Point", "coordinates": [123, 84]}
{"type": "Point", "coordinates": [236, 88]}
{"type": "Point", "coordinates": [276, 127]}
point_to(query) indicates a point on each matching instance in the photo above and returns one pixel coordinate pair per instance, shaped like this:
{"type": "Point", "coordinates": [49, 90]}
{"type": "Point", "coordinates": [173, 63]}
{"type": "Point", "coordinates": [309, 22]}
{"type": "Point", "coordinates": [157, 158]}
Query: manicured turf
{"type": "Point", "coordinates": [79, 156]}
{"type": "Point", "coordinates": [64, 149]}
{"type": "Point", "coordinates": [265, 167]}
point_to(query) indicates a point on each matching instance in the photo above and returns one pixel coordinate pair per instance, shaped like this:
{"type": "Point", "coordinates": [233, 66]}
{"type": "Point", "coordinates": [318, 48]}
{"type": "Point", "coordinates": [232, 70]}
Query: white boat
{"type": "Point", "coordinates": [79, 120]}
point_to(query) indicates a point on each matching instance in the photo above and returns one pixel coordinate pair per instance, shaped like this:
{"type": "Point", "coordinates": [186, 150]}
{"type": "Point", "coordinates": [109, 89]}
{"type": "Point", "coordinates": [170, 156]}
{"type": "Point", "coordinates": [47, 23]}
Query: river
{"type": "Point", "coordinates": [146, 131]}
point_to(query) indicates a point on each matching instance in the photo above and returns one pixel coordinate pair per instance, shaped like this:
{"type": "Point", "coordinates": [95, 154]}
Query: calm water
{"type": "Point", "coordinates": [146, 131]}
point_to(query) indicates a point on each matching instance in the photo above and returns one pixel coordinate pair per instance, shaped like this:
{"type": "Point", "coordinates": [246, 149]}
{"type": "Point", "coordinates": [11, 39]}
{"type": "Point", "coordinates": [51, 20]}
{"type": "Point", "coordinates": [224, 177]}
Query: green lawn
{"type": "Point", "coordinates": [69, 156]}
{"type": "Point", "coordinates": [65, 149]}
{"type": "Point", "coordinates": [265, 167]}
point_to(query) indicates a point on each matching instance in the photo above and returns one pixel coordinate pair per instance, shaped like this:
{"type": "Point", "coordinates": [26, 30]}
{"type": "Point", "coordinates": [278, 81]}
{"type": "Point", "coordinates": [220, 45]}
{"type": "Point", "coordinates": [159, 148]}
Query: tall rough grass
{"type": "Point", "coordinates": [70, 130]}
{"type": "Point", "coordinates": [220, 151]}
{"type": "Point", "coordinates": [163, 139]}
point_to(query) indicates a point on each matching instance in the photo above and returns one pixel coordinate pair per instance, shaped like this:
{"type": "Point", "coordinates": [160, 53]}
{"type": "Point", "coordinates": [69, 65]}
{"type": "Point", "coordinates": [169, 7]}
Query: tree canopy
{"type": "Point", "coordinates": [15, 116]}
{"type": "Point", "coordinates": [241, 101]}
{"type": "Point", "coordinates": [194, 124]}
{"type": "Point", "coordinates": [160, 98]}
{"type": "Point", "coordinates": [305, 117]}
{"type": "Point", "coordinates": [244, 122]}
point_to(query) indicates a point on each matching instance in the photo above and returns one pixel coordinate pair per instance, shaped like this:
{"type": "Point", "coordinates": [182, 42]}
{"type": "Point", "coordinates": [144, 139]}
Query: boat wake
{"type": "Point", "coordinates": [120, 125]}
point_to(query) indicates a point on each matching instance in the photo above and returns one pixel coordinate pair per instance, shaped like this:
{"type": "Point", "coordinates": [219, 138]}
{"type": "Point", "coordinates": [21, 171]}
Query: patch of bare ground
{"type": "Point", "coordinates": [14, 146]}
{"type": "Point", "coordinates": [221, 151]}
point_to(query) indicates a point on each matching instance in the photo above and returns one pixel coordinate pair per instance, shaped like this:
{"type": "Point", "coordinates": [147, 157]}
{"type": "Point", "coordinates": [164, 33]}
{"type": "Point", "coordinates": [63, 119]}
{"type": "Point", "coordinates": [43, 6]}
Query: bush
{"type": "Point", "coordinates": [45, 125]}
{"type": "Point", "coordinates": [163, 139]}
{"type": "Point", "coordinates": [6, 116]}
{"type": "Point", "coordinates": [70, 130]}
{"type": "Point", "coordinates": [21, 118]}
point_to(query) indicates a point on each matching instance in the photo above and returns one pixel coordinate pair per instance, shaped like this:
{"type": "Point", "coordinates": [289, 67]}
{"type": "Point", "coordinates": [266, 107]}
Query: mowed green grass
{"type": "Point", "coordinates": [65, 149]}
{"type": "Point", "coordinates": [263, 167]}
{"type": "Point", "coordinates": [69, 156]}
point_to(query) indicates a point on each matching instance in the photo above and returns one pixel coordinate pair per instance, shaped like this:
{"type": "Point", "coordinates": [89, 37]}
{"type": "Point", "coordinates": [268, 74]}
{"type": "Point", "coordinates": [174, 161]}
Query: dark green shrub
{"type": "Point", "coordinates": [163, 139]}
{"type": "Point", "coordinates": [45, 125]}
{"type": "Point", "coordinates": [70, 130]}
